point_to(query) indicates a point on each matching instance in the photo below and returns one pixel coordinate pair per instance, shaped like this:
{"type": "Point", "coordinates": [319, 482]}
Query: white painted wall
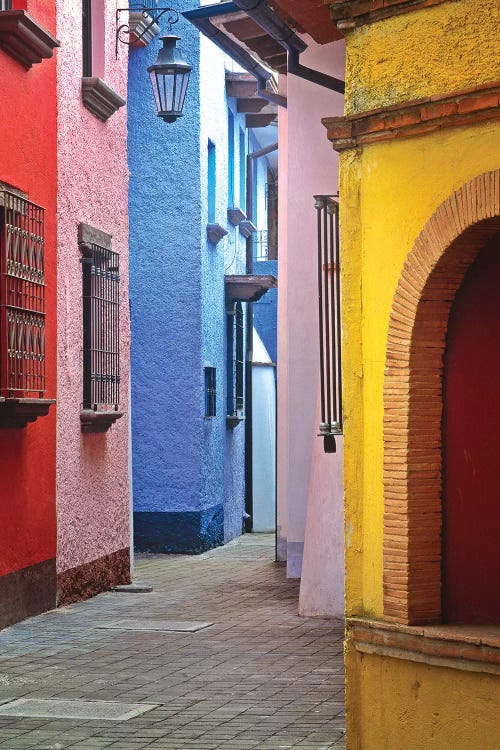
{"type": "Point", "coordinates": [264, 438]}
{"type": "Point", "coordinates": [310, 513]}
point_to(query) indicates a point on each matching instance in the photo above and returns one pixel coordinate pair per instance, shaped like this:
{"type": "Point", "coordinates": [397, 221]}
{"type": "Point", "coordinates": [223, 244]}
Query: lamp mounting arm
{"type": "Point", "coordinates": [151, 17]}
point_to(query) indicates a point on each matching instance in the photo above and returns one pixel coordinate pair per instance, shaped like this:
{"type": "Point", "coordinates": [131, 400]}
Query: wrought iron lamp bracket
{"type": "Point", "coordinates": [150, 14]}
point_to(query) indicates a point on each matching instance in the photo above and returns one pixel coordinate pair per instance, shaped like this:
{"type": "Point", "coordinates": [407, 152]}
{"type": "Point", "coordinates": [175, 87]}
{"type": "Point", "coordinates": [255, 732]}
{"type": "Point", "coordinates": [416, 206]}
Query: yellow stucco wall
{"type": "Point", "coordinates": [431, 51]}
{"type": "Point", "coordinates": [389, 190]}
{"type": "Point", "coordinates": [404, 705]}
{"type": "Point", "coordinates": [399, 184]}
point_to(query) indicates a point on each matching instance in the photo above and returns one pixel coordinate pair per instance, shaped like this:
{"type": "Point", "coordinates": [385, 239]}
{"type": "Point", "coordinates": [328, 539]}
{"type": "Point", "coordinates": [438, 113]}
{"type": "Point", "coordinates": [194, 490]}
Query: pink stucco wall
{"type": "Point", "coordinates": [309, 481]}
{"type": "Point", "coordinates": [92, 469]}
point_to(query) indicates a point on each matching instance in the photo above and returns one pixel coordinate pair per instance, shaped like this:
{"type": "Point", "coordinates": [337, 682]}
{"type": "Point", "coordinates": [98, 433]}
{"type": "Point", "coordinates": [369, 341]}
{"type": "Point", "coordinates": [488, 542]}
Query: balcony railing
{"type": "Point", "coordinates": [263, 246]}
{"type": "Point", "coordinates": [327, 210]}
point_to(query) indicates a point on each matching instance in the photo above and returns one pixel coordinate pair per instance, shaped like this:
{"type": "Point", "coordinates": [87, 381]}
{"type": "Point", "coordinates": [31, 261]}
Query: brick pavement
{"type": "Point", "coordinates": [260, 677]}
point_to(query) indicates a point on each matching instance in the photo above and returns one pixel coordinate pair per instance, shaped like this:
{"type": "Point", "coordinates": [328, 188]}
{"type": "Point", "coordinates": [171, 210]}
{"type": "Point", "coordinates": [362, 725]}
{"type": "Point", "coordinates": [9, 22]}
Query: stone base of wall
{"type": "Point", "coordinates": [94, 577]}
{"type": "Point", "coordinates": [27, 592]}
{"type": "Point", "coordinates": [189, 531]}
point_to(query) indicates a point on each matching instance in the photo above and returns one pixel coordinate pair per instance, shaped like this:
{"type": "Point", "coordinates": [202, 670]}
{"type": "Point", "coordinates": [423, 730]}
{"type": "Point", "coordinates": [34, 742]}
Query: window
{"type": "Point", "coordinates": [211, 186]}
{"type": "Point", "coordinates": [210, 392]}
{"type": "Point", "coordinates": [22, 297]}
{"type": "Point", "coordinates": [235, 354]}
{"type": "Point", "coordinates": [101, 334]}
{"type": "Point", "coordinates": [93, 24]}
{"type": "Point", "coordinates": [243, 157]}
{"type": "Point", "coordinates": [230, 159]}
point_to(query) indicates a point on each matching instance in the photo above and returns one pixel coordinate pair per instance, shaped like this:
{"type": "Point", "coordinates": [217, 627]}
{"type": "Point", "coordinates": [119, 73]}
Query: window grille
{"type": "Point", "coordinates": [260, 245]}
{"type": "Point", "coordinates": [210, 392]}
{"type": "Point", "coordinates": [5, 4]}
{"type": "Point", "coordinates": [101, 327]}
{"type": "Point", "coordinates": [87, 38]}
{"type": "Point", "coordinates": [235, 362]}
{"type": "Point", "coordinates": [327, 209]}
{"type": "Point", "coordinates": [22, 297]}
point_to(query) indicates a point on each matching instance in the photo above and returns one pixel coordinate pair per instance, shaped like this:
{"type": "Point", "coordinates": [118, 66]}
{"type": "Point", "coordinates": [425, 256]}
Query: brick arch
{"type": "Point", "coordinates": [431, 275]}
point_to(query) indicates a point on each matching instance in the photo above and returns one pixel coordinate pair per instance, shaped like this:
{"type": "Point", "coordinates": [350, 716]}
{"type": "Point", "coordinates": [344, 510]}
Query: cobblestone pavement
{"type": "Point", "coordinates": [259, 677]}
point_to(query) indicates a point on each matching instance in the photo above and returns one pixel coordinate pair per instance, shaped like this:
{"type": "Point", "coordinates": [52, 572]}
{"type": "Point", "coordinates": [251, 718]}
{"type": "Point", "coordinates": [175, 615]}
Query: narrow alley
{"type": "Point", "coordinates": [257, 677]}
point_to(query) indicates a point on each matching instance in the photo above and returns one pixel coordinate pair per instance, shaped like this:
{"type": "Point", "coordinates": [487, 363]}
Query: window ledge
{"type": "Point", "coordinates": [24, 39]}
{"type": "Point", "coordinates": [215, 232]}
{"type": "Point", "coordinates": [234, 419]}
{"type": "Point", "coordinates": [235, 215]}
{"type": "Point", "coordinates": [142, 29]}
{"type": "Point", "coordinates": [98, 421]}
{"type": "Point", "coordinates": [247, 227]}
{"type": "Point", "coordinates": [473, 648]}
{"type": "Point", "coordinates": [100, 99]}
{"type": "Point", "coordinates": [16, 413]}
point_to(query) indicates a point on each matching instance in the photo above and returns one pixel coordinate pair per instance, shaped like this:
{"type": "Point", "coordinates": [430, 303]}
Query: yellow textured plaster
{"type": "Point", "coordinates": [430, 51]}
{"type": "Point", "coordinates": [404, 705]}
{"type": "Point", "coordinates": [389, 191]}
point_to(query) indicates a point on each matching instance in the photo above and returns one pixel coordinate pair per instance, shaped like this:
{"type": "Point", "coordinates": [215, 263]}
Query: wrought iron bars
{"type": "Point", "coordinates": [151, 14]}
{"type": "Point", "coordinates": [101, 327]}
{"type": "Point", "coordinates": [22, 297]}
{"type": "Point", "coordinates": [327, 211]}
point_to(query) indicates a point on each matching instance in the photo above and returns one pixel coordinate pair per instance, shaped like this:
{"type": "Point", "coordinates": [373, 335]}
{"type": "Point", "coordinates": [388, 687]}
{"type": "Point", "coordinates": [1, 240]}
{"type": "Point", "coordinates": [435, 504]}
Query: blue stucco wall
{"type": "Point", "coordinates": [165, 281]}
{"type": "Point", "coordinates": [265, 311]}
{"type": "Point", "coordinates": [188, 470]}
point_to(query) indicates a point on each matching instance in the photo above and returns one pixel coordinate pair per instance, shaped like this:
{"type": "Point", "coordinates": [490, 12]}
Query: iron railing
{"type": "Point", "coordinates": [235, 362]}
{"type": "Point", "coordinates": [101, 327]}
{"type": "Point", "coordinates": [260, 244]}
{"type": "Point", "coordinates": [5, 4]}
{"type": "Point", "coordinates": [22, 297]}
{"type": "Point", "coordinates": [327, 210]}
{"type": "Point", "coordinates": [210, 392]}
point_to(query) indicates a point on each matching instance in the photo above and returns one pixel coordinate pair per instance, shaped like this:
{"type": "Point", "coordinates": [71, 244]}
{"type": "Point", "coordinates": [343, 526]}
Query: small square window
{"type": "Point", "coordinates": [210, 392]}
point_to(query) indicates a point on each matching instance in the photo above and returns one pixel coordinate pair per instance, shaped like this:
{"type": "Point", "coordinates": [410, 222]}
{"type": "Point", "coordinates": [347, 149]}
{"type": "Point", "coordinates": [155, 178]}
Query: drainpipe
{"type": "Point", "coordinates": [272, 24]}
{"type": "Point", "coordinates": [250, 163]}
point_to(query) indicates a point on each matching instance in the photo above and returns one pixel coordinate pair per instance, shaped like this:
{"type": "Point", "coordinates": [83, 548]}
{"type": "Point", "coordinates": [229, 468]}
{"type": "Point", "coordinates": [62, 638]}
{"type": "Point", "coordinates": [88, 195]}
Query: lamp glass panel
{"type": "Point", "coordinates": [167, 89]}
{"type": "Point", "coordinates": [154, 85]}
{"type": "Point", "coordinates": [183, 78]}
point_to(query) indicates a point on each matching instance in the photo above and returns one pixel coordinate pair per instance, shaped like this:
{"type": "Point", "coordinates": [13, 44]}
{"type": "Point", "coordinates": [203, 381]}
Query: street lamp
{"type": "Point", "coordinates": [170, 73]}
{"type": "Point", "coordinates": [169, 79]}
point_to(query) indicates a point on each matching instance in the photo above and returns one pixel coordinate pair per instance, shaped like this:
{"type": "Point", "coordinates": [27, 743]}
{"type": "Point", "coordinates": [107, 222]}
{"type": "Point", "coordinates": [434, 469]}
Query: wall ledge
{"type": "Point", "coordinates": [17, 413]}
{"type": "Point", "coordinates": [471, 648]}
{"type": "Point", "coordinates": [348, 14]}
{"type": "Point", "coordinates": [419, 117]}
{"type": "Point", "coordinates": [24, 39]}
{"type": "Point", "coordinates": [215, 232]}
{"type": "Point", "coordinates": [98, 421]}
{"type": "Point", "coordinates": [100, 99]}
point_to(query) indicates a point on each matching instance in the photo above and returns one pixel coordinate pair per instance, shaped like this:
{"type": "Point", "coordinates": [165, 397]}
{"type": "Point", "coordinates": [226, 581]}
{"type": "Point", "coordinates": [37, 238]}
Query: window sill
{"type": "Point", "coordinates": [235, 215]}
{"type": "Point", "coordinates": [215, 232]}
{"type": "Point", "coordinates": [100, 99]}
{"type": "Point", "coordinates": [234, 419]}
{"type": "Point", "coordinates": [98, 421]}
{"type": "Point", "coordinates": [471, 648]}
{"type": "Point", "coordinates": [24, 39]}
{"type": "Point", "coordinates": [16, 413]}
{"type": "Point", "coordinates": [247, 228]}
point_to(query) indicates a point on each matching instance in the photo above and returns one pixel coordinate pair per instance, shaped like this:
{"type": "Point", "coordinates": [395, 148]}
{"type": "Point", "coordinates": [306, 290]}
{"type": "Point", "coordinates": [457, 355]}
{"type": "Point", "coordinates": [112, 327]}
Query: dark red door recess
{"type": "Point", "coordinates": [471, 447]}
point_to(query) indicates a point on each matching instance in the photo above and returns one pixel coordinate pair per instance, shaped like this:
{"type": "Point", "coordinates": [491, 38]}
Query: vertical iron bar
{"type": "Point", "coordinates": [339, 325]}
{"type": "Point", "coordinates": [87, 330]}
{"type": "Point", "coordinates": [328, 353]}
{"type": "Point", "coordinates": [318, 205]}
{"type": "Point", "coordinates": [331, 266]}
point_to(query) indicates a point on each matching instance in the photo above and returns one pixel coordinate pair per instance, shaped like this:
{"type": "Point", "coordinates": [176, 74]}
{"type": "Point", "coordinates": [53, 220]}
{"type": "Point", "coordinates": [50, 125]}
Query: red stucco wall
{"type": "Point", "coordinates": [28, 162]}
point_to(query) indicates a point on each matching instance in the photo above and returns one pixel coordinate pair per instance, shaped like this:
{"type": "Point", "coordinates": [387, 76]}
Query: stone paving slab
{"type": "Point", "coordinates": [74, 709]}
{"type": "Point", "coordinates": [163, 626]}
{"type": "Point", "coordinates": [260, 678]}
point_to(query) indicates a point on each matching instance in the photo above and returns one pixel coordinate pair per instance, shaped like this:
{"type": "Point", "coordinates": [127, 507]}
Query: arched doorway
{"type": "Point", "coordinates": [413, 396]}
{"type": "Point", "coordinates": [471, 446]}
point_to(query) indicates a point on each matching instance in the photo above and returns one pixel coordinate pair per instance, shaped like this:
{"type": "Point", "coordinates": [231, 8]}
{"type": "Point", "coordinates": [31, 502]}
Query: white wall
{"type": "Point", "coordinates": [310, 515]}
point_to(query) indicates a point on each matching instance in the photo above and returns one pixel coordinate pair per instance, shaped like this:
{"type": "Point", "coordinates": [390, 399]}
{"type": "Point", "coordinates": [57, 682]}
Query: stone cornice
{"type": "Point", "coordinates": [464, 107]}
{"type": "Point", "coordinates": [24, 39]}
{"type": "Point", "coordinates": [348, 14]}
{"type": "Point", "coordinates": [469, 648]}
